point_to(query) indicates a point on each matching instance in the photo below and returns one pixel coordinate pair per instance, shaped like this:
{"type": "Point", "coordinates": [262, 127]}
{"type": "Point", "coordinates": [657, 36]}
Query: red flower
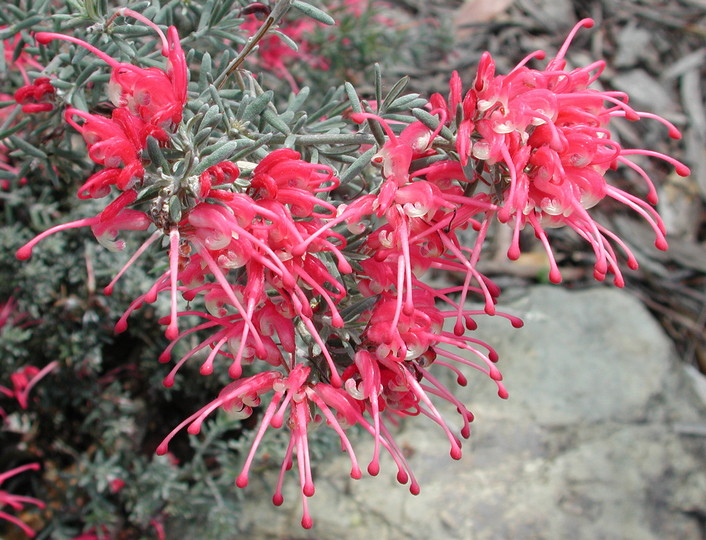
{"type": "Point", "coordinates": [24, 380]}
{"type": "Point", "coordinates": [277, 56]}
{"type": "Point", "coordinates": [36, 97]}
{"type": "Point", "coordinates": [157, 96]}
{"type": "Point", "coordinates": [116, 143]}
{"type": "Point", "coordinates": [17, 502]}
{"type": "Point", "coordinates": [545, 134]}
{"type": "Point", "coordinates": [106, 225]}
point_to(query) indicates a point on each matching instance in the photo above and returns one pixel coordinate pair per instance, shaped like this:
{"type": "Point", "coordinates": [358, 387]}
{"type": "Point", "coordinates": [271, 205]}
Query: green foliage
{"type": "Point", "coordinates": [94, 422]}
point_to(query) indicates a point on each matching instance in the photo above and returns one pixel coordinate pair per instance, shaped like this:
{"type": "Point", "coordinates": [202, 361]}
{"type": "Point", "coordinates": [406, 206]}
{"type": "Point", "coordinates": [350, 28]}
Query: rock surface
{"type": "Point", "coordinates": [602, 438]}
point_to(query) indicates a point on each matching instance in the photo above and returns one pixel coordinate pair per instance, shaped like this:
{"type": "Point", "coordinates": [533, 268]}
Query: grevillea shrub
{"type": "Point", "coordinates": [291, 241]}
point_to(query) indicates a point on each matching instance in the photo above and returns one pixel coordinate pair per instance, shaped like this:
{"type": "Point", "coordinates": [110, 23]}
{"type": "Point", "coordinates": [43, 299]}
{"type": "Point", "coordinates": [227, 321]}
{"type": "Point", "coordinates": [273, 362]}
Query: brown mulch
{"type": "Point", "coordinates": [656, 51]}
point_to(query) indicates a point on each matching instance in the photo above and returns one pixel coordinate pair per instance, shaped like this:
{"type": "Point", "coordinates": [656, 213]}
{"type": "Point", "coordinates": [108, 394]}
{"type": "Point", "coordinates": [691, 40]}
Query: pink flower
{"type": "Point", "coordinates": [277, 253]}
{"type": "Point", "coordinates": [10, 316]}
{"type": "Point", "coordinates": [17, 502]}
{"type": "Point", "coordinates": [20, 61]}
{"type": "Point", "coordinates": [36, 97]}
{"type": "Point", "coordinates": [261, 238]}
{"type": "Point", "coordinates": [289, 404]}
{"type": "Point", "coordinates": [422, 208]}
{"type": "Point", "coordinates": [546, 135]}
{"type": "Point", "coordinates": [277, 56]}
{"type": "Point", "coordinates": [299, 404]}
{"type": "Point", "coordinates": [157, 96]}
{"type": "Point", "coordinates": [105, 226]}
{"type": "Point", "coordinates": [390, 375]}
{"type": "Point", "coordinates": [24, 380]}
{"type": "Point", "coordinates": [283, 177]}
{"type": "Point", "coordinates": [116, 143]}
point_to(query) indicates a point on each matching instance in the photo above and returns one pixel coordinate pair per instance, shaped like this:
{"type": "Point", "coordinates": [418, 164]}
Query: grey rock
{"type": "Point", "coordinates": [588, 446]}
{"type": "Point", "coordinates": [634, 44]}
{"type": "Point", "coordinates": [644, 90]}
{"type": "Point", "coordinates": [553, 14]}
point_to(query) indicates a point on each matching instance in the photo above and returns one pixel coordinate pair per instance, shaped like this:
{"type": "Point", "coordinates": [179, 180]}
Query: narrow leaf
{"type": "Point", "coordinates": [394, 93]}
{"type": "Point", "coordinates": [313, 12]}
{"type": "Point", "coordinates": [289, 42]}
{"type": "Point", "coordinates": [26, 147]}
{"type": "Point", "coordinates": [155, 154]}
{"type": "Point", "coordinates": [222, 153]}
{"type": "Point", "coordinates": [378, 84]}
{"type": "Point", "coordinates": [357, 166]}
{"type": "Point", "coordinates": [353, 98]}
{"type": "Point", "coordinates": [276, 122]}
{"type": "Point", "coordinates": [212, 117]}
{"type": "Point", "coordinates": [257, 106]}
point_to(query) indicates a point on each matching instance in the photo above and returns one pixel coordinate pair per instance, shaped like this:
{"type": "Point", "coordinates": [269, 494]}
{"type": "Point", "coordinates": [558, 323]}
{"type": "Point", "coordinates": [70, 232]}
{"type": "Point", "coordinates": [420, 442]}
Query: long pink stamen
{"type": "Point", "coordinates": [145, 20]}
{"type": "Point", "coordinates": [404, 471]}
{"type": "Point", "coordinates": [46, 37]}
{"type": "Point", "coordinates": [589, 229]}
{"type": "Point", "coordinates": [108, 290]}
{"type": "Point", "coordinates": [583, 23]}
{"type": "Point", "coordinates": [632, 260]}
{"type": "Point", "coordinates": [358, 117]}
{"type": "Point", "coordinates": [674, 132]}
{"type": "Point", "coordinates": [433, 413]}
{"type": "Point", "coordinates": [23, 396]}
{"type": "Point", "coordinates": [228, 289]}
{"type": "Point", "coordinates": [165, 355]}
{"type": "Point", "coordinates": [169, 379]}
{"type": "Point", "coordinates": [398, 305]}
{"type": "Point", "coordinates": [17, 470]}
{"type": "Point", "coordinates": [25, 252]}
{"type": "Point", "coordinates": [440, 390]}
{"type": "Point", "coordinates": [554, 273]}
{"type": "Point", "coordinates": [539, 55]}
{"type": "Point", "coordinates": [336, 319]}
{"type": "Point", "coordinates": [509, 203]}
{"type": "Point", "coordinates": [470, 269]}
{"type": "Point", "coordinates": [679, 167]}
{"type": "Point", "coordinates": [346, 214]}
{"type": "Point", "coordinates": [278, 498]}
{"type": "Point", "coordinates": [235, 369]}
{"type": "Point", "coordinates": [333, 371]}
{"type": "Point", "coordinates": [207, 365]}
{"type": "Point", "coordinates": [461, 379]}
{"type": "Point", "coordinates": [172, 329]}
{"type": "Point", "coordinates": [301, 411]}
{"type": "Point", "coordinates": [640, 207]}
{"type": "Point", "coordinates": [336, 426]}
{"type": "Point", "coordinates": [490, 369]}
{"type": "Point", "coordinates": [17, 521]}
{"type": "Point", "coordinates": [403, 238]}
{"type": "Point", "coordinates": [242, 479]}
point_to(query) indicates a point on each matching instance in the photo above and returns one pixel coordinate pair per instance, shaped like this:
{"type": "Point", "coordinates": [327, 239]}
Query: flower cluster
{"type": "Point", "coordinates": [23, 381]}
{"type": "Point", "coordinates": [148, 103]}
{"type": "Point", "coordinates": [546, 135]}
{"type": "Point", "coordinates": [17, 502]}
{"type": "Point", "coordinates": [317, 304]}
{"type": "Point", "coordinates": [32, 96]}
